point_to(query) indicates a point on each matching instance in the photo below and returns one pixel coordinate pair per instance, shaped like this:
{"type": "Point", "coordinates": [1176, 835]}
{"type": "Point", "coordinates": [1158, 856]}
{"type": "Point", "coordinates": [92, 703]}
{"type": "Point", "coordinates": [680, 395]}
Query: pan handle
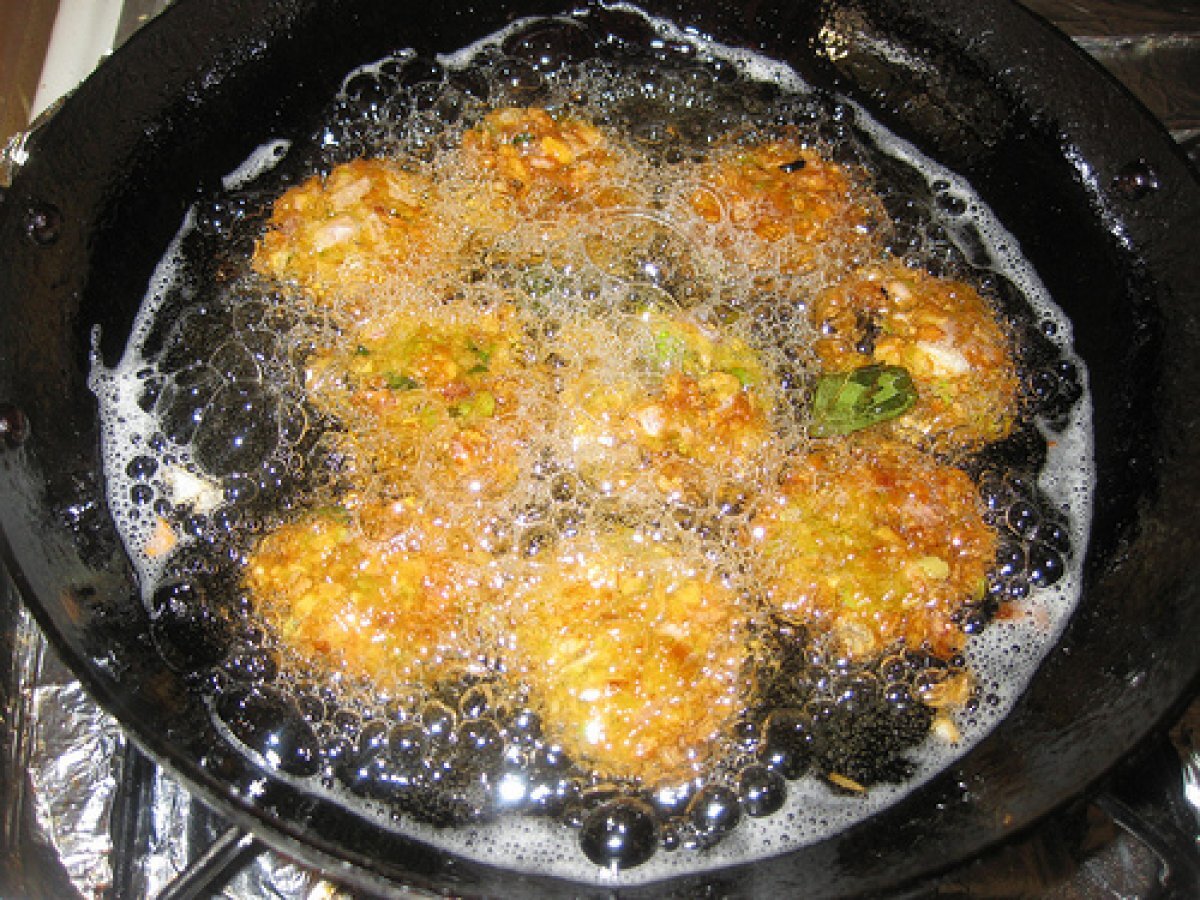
{"type": "Point", "coordinates": [208, 872]}
{"type": "Point", "coordinates": [1179, 868]}
{"type": "Point", "coordinates": [1145, 800]}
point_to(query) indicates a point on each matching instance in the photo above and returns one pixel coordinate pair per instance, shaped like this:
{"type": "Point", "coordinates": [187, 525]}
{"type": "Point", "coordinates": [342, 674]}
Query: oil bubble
{"type": "Point", "coordinates": [550, 46]}
{"type": "Point", "coordinates": [248, 663]}
{"type": "Point", "coordinates": [520, 79]}
{"type": "Point", "coordinates": [671, 800]}
{"type": "Point", "coordinates": [183, 401]}
{"type": "Point", "coordinates": [786, 743]}
{"type": "Point", "coordinates": [761, 790]}
{"type": "Point", "coordinates": [620, 834]}
{"type": "Point", "coordinates": [273, 727]}
{"type": "Point", "coordinates": [420, 70]}
{"type": "Point", "coordinates": [1046, 565]}
{"type": "Point", "coordinates": [407, 744]}
{"type": "Point", "coordinates": [234, 361]}
{"type": "Point", "coordinates": [141, 468]}
{"type": "Point", "coordinates": [187, 627]}
{"type": "Point", "coordinates": [480, 746]}
{"type": "Point", "coordinates": [238, 429]}
{"type": "Point", "coordinates": [43, 223]}
{"type": "Point", "coordinates": [439, 720]}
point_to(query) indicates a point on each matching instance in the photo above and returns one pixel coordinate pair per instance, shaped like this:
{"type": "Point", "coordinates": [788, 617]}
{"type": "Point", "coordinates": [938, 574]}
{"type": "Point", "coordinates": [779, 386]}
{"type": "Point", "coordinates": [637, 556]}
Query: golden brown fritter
{"type": "Point", "coordinates": [680, 402]}
{"type": "Point", "coordinates": [873, 542]}
{"type": "Point", "coordinates": [792, 199]}
{"type": "Point", "coordinates": [632, 652]}
{"type": "Point", "coordinates": [394, 605]}
{"type": "Point", "coordinates": [442, 405]}
{"type": "Point", "coordinates": [942, 332]}
{"type": "Point", "coordinates": [361, 226]}
{"type": "Point", "coordinates": [538, 161]}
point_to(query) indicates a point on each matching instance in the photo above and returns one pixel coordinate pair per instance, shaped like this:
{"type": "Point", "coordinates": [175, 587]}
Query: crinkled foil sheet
{"type": "Point", "coordinates": [72, 754]}
{"type": "Point", "coordinates": [65, 767]}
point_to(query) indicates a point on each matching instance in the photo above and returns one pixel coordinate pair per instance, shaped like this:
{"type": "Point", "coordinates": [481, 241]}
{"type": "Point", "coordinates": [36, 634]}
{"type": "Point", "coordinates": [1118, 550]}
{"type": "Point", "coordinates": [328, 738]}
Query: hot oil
{"type": "Point", "coordinates": [211, 440]}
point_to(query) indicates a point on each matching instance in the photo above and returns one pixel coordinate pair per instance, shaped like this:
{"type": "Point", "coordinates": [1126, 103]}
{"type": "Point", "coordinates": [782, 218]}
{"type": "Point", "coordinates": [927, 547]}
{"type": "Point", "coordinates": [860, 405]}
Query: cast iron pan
{"type": "Point", "coordinates": [1101, 201]}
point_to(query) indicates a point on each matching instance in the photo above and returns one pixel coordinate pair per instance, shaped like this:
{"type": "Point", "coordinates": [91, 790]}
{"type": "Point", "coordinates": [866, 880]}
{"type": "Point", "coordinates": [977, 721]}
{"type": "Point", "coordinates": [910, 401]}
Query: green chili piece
{"type": "Point", "coordinates": [669, 348]}
{"type": "Point", "coordinates": [478, 406]}
{"type": "Point", "coordinates": [483, 357]}
{"type": "Point", "coordinates": [745, 376]}
{"type": "Point", "coordinates": [485, 404]}
{"type": "Point", "coordinates": [845, 402]}
{"type": "Point", "coordinates": [398, 382]}
{"type": "Point", "coordinates": [336, 513]}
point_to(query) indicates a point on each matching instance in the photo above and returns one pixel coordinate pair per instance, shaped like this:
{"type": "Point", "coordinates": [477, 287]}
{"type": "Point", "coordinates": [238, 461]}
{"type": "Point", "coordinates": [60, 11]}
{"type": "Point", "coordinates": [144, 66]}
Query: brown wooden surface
{"type": "Point", "coordinates": [25, 27]}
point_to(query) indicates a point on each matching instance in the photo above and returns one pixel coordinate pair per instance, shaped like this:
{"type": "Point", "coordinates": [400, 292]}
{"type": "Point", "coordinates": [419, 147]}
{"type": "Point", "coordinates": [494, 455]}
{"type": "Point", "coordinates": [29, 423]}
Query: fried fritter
{"type": "Point", "coordinates": [361, 225]}
{"type": "Point", "coordinates": [943, 333]}
{"type": "Point", "coordinates": [799, 204]}
{"type": "Point", "coordinates": [873, 542]}
{"type": "Point", "coordinates": [669, 398]}
{"type": "Point", "coordinates": [632, 651]}
{"type": "Point", "coordinates": [442, 404]}
{"type": "Point", "coordinates": [540, 162]}
{"type": "Point", "coordinates": [392, 606]}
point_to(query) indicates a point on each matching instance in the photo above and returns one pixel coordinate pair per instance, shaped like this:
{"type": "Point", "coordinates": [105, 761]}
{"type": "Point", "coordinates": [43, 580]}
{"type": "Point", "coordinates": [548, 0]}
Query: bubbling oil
{"type": "Point", "coordinates": [211, 439]}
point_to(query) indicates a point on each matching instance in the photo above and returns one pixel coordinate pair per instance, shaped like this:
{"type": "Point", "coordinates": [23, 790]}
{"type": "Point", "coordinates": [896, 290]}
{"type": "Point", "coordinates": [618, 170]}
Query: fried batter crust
{"type": "Point", "coordinates": [394, 607]}
{"type": "Point", "coordinates": [873, 542]}
{"type": "Point", "coordinates": [539, 162]}
{"type": "Point", "coordinates": [694, 416]}
{"type": "Point", "coordinates": [428, 401]}
{"type": "Point", "coordinates": [785, 193]}
{"type": "Point", "coordinates": [633, 654]}
{"type": "Point", "coordinates": [360, 226]}
{"type": "Point", "coordinates": [943, 332]}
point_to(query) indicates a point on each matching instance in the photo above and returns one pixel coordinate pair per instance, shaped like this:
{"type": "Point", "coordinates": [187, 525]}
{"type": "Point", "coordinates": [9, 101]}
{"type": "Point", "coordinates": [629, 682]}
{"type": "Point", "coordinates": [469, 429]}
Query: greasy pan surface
{"type": "Point", "coordinates": [1065, 158]}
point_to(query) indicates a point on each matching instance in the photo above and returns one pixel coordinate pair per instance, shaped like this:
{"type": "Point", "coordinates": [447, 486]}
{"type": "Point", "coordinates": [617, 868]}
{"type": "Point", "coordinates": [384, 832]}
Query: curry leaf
{"type": "Point", "coordinates": [844, 402]}
{"type": "Point", "coordinates": [745, 376]}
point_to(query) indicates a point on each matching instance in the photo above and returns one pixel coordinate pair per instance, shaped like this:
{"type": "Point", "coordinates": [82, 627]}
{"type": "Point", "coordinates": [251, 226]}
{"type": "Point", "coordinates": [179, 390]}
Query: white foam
{"type": "Point", "coordinates": [260, 161]}
{"type": "Point", "coordinates": [125, 427]}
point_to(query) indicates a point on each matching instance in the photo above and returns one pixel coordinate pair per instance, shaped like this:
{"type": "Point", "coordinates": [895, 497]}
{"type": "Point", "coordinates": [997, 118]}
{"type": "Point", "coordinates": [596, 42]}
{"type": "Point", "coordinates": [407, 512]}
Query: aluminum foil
{"type": "Point", "coordinates": [69, 762]}
{"type": "Point", "coordinates": [73, 754]}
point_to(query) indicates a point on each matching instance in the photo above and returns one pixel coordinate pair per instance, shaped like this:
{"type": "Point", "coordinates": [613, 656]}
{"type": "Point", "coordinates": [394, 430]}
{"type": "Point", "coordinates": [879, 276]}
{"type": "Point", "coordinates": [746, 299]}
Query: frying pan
{"type": "Point", "coordinates": [1102, 203]}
